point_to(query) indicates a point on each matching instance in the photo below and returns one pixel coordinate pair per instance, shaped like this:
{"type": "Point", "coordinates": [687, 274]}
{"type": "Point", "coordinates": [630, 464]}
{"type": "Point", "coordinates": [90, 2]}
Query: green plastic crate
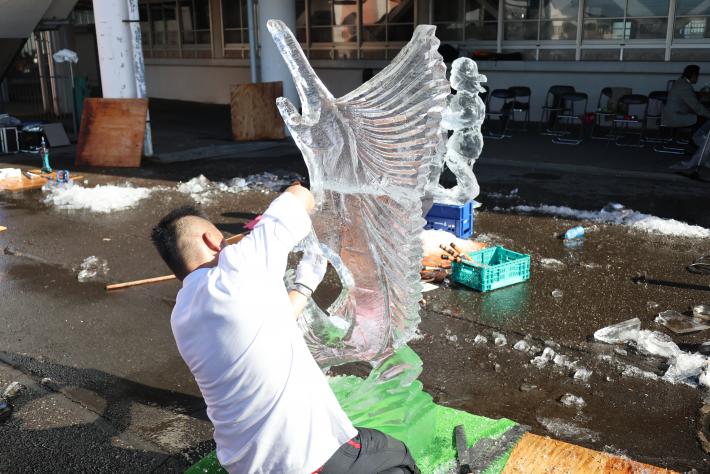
{"type": "Point", "coordinates": [493, 267]}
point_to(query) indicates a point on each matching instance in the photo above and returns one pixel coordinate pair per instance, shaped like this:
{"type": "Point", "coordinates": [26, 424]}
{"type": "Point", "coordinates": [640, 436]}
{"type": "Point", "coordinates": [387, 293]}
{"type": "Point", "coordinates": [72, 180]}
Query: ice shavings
{"type": "Point", "coordinates": [552, 263]}
{"type": "Point", "coordinates": [92, 268]}
{"type": "Point", "coordinates": [102, 198]}
{"type": "Point", "coordinates": [617, 214]}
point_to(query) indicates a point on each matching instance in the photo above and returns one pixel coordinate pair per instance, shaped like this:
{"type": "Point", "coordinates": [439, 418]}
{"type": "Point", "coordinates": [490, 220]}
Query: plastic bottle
{"type": "Point", "coordinates": [574, 233]}
{"type": "Point", "coordinates": [44, 153]}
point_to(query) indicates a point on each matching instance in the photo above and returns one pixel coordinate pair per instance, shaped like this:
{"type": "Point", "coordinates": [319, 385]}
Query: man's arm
{"type": "Point", "coordinates": [691, 100]}
{"type": "Point", "coordinates": [282, 226]}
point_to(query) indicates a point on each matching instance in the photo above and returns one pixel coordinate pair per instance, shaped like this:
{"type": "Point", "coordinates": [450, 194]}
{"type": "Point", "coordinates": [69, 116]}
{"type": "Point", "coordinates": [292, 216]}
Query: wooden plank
{"type": "Point", "coordinates": [3, 228]}
{"type": "Point", "coordinates": [23, 183]}
{"type": "Point", "coordinates": [254, 112]}
{"type": "Point", "coordinates": [540, 455]}
{"type": "Point", "coordinates": [112, 132]}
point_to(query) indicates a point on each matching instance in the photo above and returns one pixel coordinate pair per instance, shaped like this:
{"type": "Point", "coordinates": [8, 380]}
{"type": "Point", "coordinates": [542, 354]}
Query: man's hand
{"type": "Point", "coordinates": [303, 195]}
{"type": "Point", "coordinates": [311, 270]}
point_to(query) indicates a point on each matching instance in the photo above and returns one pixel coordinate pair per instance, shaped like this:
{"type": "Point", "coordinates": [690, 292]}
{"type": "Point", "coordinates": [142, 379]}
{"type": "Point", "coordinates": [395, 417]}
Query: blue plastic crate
{"type": "Point", "coordinates": [458, 220]}
{"type": "Point", "coordinates": [492, 268]}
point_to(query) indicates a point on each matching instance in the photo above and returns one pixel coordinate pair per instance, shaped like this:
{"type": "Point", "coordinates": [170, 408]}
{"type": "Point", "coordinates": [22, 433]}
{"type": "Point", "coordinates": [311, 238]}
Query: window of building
{"type": "Point", "coordinates": [351, 29]}
{"type": "Point", "coordinates": [540, 20]}
{"type": "Point", "coordinates": [462, 20]}
{"type": "Point", "coordinates": [692, 20]}
{"type": "Point", "coordinates": [195, 22]}
{"type": "Point", "coordinates": [235, 24]}
{"type": "Point", "coordinates": [624, 20]}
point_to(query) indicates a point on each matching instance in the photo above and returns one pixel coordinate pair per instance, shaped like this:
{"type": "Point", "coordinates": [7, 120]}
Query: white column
{"type": "Point", "coordinates": [113, 36]}
{"type": "Point", "coordinates": [272, 66]}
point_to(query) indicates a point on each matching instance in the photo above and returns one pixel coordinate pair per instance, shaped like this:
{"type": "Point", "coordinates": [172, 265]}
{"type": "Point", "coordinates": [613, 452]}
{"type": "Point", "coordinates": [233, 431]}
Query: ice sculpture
{"type": "Point", "coordinates": [464, 115]}
{"type": "Point", "coordinates": [369, 156]}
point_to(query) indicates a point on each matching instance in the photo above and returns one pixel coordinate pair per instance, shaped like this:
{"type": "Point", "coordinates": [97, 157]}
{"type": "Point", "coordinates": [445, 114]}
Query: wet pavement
{"type": "Point", "coordinates": [120, 398]}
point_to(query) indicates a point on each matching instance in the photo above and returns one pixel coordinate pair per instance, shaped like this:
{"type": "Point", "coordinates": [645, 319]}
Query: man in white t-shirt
{"type": "Point", "coordinates": [235, 326]}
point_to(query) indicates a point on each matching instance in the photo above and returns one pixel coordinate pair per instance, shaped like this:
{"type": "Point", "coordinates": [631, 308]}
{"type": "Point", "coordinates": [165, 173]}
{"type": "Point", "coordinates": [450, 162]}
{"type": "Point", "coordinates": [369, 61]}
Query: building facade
{"type": "Point", "coordinates": [195, 49]}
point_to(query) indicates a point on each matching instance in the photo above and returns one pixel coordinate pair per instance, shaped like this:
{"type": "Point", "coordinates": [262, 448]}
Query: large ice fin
{"type": "Point", "coordinates": [369, 156]}
{"type": "Point", "coordinates": [464, 114]}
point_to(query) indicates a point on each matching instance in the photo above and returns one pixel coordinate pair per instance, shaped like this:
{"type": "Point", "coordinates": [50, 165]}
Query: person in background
{"type": "Point", "coordinates": [684, 110]}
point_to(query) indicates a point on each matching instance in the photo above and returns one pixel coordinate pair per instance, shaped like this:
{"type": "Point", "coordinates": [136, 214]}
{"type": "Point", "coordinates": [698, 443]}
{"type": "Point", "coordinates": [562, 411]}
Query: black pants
{"type": "Point", "coordinates": [371, 452]}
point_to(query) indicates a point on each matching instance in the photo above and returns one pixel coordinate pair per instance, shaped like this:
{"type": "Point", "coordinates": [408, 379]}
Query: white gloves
{"type": "Point", "coordinates": [311, 269]}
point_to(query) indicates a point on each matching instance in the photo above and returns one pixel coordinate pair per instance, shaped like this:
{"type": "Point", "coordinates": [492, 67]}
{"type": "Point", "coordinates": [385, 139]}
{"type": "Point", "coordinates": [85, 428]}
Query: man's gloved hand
{"type": "Point", "coordinates": [311, 269]}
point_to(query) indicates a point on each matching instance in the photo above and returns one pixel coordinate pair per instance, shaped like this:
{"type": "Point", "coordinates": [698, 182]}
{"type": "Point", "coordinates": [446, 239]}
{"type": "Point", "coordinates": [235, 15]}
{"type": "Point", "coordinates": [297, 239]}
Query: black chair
{"type": "Point", "coordinates": [484, 95]}
{"type": "Point", "coordinates": [654, 116]}
{"type": "Point", "coordinates": [603, 116]}
{"type": "Point", "coordinates": [552, 106]}
{"type": "Point", "coordinates": [633, 123]}
{"type": "Point", "coordinates": [674, 140]}
{"type": "Point", "coordinates": [574, 105]}
{"type": "Point", "coordinates": [520, 105]}
{"type": "Point", "coordinates": [498, 107]}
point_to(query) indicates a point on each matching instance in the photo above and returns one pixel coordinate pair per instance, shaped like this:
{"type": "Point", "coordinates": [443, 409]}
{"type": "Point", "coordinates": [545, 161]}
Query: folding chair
{"type": "Point", "coordinates": [520, 105]}
{"type": "Point", "coordinates": [552, 106]}
{"type": "Point", "coordinates": [634, 120]}
{"type": "Point", "coordinates": [503, 98]}
{"type": "Point", "coordinates": [575, 106]}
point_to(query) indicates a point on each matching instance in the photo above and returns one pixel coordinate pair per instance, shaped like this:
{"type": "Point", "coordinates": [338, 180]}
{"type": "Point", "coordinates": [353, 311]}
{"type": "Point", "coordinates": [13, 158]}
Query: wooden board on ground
{"type": "Point", "coordinates": [254, 112]}
{"type": "Point", "coordinates": [24, 183]}
{"type": "Point", "coordinates": [539, 455]}
{"type": "Point", "coordinates": [112, 132]}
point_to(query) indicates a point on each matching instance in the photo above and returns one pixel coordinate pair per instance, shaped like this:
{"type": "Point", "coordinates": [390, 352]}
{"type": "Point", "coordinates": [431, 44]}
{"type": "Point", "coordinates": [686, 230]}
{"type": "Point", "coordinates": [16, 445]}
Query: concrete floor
{"type": "Point", "coordinates": [120, 398]}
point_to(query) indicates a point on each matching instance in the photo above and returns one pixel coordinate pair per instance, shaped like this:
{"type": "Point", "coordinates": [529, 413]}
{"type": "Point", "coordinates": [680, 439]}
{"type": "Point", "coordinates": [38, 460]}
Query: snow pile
{"type": "Point", "coordinates": [102, 198]}
{"type": "Point", "coordinates": [92, 268]}
{"type": "Point", "coordinates": [682, 366]}
{"type": "Point", "coordinates": [552, 263]}
{"type": "Point", "coordinates": [202, 190]}
{"type": "Point", "coordinates": [618, 214]}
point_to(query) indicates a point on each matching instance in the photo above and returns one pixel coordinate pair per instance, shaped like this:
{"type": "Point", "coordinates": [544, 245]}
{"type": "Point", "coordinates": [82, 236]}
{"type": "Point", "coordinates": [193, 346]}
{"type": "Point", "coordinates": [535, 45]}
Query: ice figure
{"type": "Point", "coordinates": [369, 156]}
{"type": "Point", "coordinates": [464, 115]}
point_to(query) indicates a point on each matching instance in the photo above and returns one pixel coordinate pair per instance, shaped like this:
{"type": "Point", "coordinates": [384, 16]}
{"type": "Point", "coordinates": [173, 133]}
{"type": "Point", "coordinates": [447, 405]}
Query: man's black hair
{"type": "Point", "coordinates": [691, 70]}
{"type": "Point", "coordinates": [165, 238]}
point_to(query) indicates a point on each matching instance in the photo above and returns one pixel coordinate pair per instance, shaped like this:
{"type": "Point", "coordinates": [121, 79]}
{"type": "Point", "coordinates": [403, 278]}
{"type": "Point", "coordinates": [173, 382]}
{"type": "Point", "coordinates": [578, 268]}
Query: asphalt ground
{"type": "Point", "coordinates": [120, 399]}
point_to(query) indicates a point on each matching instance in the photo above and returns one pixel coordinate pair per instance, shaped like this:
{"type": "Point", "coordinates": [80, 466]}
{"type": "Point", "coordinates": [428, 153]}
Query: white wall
{"type": "Point", "coordinates": [208, 80]}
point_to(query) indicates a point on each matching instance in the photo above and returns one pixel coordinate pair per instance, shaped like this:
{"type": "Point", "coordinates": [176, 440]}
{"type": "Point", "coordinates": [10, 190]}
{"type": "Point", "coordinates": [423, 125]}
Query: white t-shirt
{"type": "Point", "coordinates": [271, 406]}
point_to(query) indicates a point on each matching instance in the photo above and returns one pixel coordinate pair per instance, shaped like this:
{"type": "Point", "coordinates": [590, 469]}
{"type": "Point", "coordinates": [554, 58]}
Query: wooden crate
{"type": "Point", "coordinates": [112, 132]}
{"type": "Point", "coordinates": [254, 112]}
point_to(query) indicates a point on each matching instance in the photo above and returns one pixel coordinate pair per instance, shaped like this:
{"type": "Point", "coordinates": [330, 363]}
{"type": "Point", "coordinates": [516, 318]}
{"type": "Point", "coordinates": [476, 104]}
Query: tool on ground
{"type": "Point", "coordinates": [461, 254]}
{"type": "Point", "coordinates": [701, 266]}
{"type": "Point", "coordinates": [148, 281]}
{"type": "Point", "coordinates": [485, 451]}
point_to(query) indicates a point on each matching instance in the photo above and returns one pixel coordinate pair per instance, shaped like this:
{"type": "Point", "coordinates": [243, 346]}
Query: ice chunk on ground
{"type": "Point", "coordinates": [704, 378]}
{"type": "Point", "coordinates": [102, 198]}
{"type": "Point", "coordinates": [686, 366]}
{"type": "Point", "coordinates": [547, 355]}
{"type": "Point", "coordinates": [582, 374]}
{"type": "Point", "coordinates": [552, 263]}
{"type": "Point", "coordinates": [619, 332]}
{"type": "Point", "coordinates": [92, 268]}
{"type": "Point", "coordinates": [522, 346]}
{"type": "Point", "coordinates": [632, 371]}
{"type": "Point", "coordinates": [557, 293]}
{"type": "Point", "coordinates": [563, 361]}
{"type": "Point", "coordinates": [12, 390]}
{"type": "Point", "coordinates": [627, 217]}
{"type": "Point", "coordinates": [570, 400]}
{"type": "Point", "coordinates": [656, 344]}
{"type": "Point", "coordinates": [499, 339]}
{"type": "Point", "coordinates": [479, 339]}
{"type": "Point", "coordinates": [566, 430]}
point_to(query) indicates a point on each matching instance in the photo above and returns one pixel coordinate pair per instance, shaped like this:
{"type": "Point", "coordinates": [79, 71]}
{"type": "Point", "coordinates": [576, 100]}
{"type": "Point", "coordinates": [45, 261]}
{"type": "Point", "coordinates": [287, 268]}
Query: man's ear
{"type": "Point", "coordinates": [213, 241]}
